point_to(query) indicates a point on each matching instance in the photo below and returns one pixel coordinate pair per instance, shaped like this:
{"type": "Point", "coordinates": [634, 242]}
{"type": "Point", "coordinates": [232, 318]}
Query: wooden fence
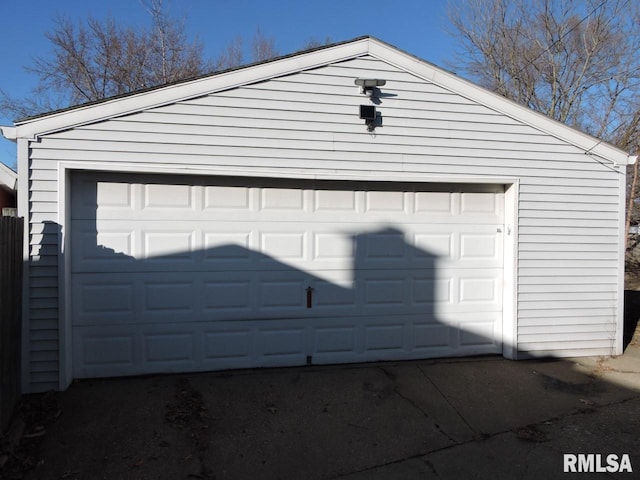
{"type": "Point", "coordinates": [11, 230]}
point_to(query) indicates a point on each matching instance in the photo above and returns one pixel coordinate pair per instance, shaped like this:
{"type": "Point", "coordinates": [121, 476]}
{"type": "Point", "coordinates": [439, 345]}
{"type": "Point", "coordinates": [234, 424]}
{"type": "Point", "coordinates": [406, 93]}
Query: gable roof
{"type": "Point", "coordinates": [154, 97]}
{"type": "Point", "coordinates": [8, 178]}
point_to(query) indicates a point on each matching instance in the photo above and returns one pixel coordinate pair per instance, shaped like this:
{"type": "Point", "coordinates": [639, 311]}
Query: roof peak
{"type": "Point", "coordinates": [297, 62]}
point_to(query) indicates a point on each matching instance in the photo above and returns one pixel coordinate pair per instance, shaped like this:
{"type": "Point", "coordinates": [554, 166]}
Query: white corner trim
{"type": "Point", "coordinates": [65, 350]}
{"type": "Point", "coordinates": [617, 347]}
{"type": "Point", "coordinates": [23, 211]}
{"type": "Point", "coordinates": [510, 273]}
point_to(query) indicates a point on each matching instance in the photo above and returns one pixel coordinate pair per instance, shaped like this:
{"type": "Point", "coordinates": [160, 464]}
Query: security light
{"type": "Point", "coordinates": [368, 85]}
{"type": "Point", "coordinates": [369, 115]}
{"type": "Point", "coordinates": [370, 82]}
{"type": "Point", "coordinates": [367, 112]}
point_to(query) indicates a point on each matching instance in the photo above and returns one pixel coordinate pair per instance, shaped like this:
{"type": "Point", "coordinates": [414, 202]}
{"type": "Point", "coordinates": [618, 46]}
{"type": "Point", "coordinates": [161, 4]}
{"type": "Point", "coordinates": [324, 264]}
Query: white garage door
{"type": "Point", "coordinates": [186, 273]}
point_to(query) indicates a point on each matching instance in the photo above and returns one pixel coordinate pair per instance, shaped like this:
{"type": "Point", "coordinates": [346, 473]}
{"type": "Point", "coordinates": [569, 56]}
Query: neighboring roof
{"type": "Point", "coordinates": [8, 178]}
{"type": "Point", "coordinates": [290, 64]}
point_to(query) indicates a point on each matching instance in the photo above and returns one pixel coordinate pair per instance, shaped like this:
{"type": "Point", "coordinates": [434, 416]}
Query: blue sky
{"type": "Point", "coordinates": [417, 26]}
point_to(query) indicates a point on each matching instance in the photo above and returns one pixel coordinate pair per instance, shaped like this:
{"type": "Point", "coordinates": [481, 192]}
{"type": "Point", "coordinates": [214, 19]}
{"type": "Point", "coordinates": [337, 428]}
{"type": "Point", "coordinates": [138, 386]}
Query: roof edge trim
{"type": "Point", "coordinates": [8, 177]}
{"type": "Point", "coordinates": [110, 108]}
{"type": "Point", "coordinates": [300, 61]}
{"type": "Point", "coordinates": [10, 133]}
{"type": "Point", "coordinates": [468, 89]}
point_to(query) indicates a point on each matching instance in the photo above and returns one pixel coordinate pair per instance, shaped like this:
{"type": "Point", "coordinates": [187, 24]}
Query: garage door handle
{"type": "Point", "coordinates": [309, 297]}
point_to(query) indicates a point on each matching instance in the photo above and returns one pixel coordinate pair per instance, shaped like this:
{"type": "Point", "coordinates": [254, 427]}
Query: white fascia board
{"type": "Point", "coordinates": [190, 89]}
{"type": "Point", "coordinates": [8, 177]}
{"type": "Point", "coordinates": [454, 83]}
{"type": "Point", "coordinates": [8, 132]}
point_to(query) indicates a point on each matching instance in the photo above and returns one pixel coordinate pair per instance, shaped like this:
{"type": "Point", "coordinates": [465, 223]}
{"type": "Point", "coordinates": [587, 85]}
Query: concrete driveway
{"type": "Point", "coordinates": [483, 417]}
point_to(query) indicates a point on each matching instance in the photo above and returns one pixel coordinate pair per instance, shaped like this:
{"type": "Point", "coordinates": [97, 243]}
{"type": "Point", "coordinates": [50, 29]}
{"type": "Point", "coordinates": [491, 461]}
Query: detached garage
{"type": "Point", "coordinates": [346, 204]}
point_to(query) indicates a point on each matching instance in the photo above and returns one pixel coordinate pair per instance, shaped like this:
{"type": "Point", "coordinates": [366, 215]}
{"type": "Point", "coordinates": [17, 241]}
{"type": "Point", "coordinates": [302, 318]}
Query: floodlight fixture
{"type": "Point", "coordinates": [369, 115]}
{"type": "Point", "coordinates": [368, 112]}
{"type": "Point", "coordinates": [368, 85]}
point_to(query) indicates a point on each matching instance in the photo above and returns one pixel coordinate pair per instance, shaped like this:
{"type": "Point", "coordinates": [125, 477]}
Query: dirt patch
{"type": "Point", "coordinates": [531, 433]}
{"type": "Point", "coordinates": [20, 445]}
{"type": "Point", "coordinates": [188, 413]}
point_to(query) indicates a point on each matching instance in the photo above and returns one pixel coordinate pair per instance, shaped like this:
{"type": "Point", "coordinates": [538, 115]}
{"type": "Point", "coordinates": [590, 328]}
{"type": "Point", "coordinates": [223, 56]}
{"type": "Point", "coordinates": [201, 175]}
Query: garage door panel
{"type": "Point", "coordinates": [478, 204]}
{"type": "Point", "coordinates": [190, 274]}
{"type": "Point", "coordinates": [319, 246]}
{"type": "Point", "coordinates": [380, 340]}
{"type": "Point", "coordinates": [338, 248]}
{"type": "Point", "coordinates": [385, 292]}
{"type": "Point", "coordinates": [122, 200]}
{"type": "Point", "coordinates": [434, 244]}
{"type": "Point", "coordinates": [134, 350]}
{"type": "Point", "coordinates": [283, 246]}
{"type": "Point", "coordinates": [227, 295]}
{"type": "Point", "coordinates": [227, 246]}
{"type": "Point", "coordinates": [282, 342]}
{"type": "Point", "coordinates": [111, 348]}
{"type": "Point", "coordinates": [280, 199]}
{"type": "Point", "coordinates": [479, 290]}
{"type": "Point", "coordinates": [281, 295]}
{"type": "Point", "coordinates": [441, 204]}
{"type": "Point", "coordinates": [334, 339]}
{"type": "Point", "coordinates": [166, 199]}
{"type": "Point", "coordinates": [169, 348]}
{"type": "Point", "coordinates": [176, 245]}
{"type": "Point", "coordinates": [97, 299]}
{"type": "Point", "coordinates": [476, 333]}
{"type": "Point", "coordinates": [90, 250]}
{"type": "Point", "coordinates": [228, 345]}
{"type": "Point", "coordinates": [225, 198]}
{"type": "Point", "coordinates": [429, 336]}
{"type": "Point", "coordinates": [329, 295]}
{"type": "Point", "coordinates": [86, 196]}
{"type": "Point", "coordinates": [426, 289]}
{"type": "Point", "coordinates": [478, 246]}
{"type": "Point", "coordinates": [166, 298]}
{"type": "Point", "coordinates": [115, 298]}
{"type": "Point", "coordinates": [386, 201]}
{"type": "Point", "coordinates": [335, 201]}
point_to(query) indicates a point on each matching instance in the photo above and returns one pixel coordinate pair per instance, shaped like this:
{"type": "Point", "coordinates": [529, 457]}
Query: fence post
{"type": "Point", "coordinates": [11, 231]}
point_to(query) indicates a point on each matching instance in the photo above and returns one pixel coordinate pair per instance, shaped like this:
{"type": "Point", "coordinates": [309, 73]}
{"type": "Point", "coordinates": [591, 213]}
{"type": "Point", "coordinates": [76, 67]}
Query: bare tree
{"type": "Point", "coordinates": [573, 60]}
{"type": "Point", "coordinates": [232, 56]}
{"type": "Point", "coordinates": [315, 43]}
{"type": "Point", "coordinates": [97, 59]}
{"type": "Point", "coordinates": [100, 58]}
{"type": "Point", "coordinates": [172, 56]}
{"type": "Point", "coordinates": [263, 48]}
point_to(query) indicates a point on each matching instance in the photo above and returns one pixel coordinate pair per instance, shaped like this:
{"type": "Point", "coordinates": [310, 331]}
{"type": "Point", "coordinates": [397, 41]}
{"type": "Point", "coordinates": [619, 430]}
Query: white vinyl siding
{"type": "Point", "coordinates": [568, 206]}
{"type": "Point", "coordinates": [43, 276]}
